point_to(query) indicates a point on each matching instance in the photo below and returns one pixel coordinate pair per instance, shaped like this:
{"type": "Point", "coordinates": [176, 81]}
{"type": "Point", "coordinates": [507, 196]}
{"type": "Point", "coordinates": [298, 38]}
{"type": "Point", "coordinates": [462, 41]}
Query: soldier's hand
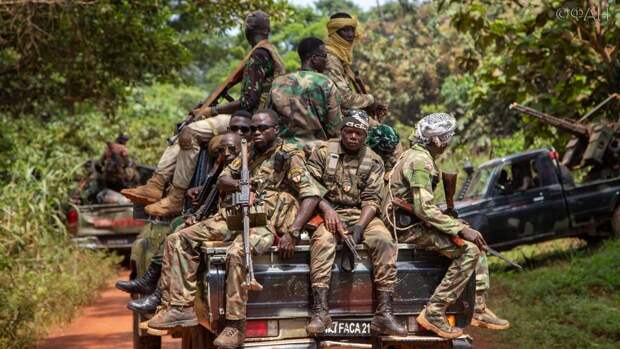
{"type": "Point", "coordinates": [190, 220]}
{"type": "Point", "coordinates": [474, 236]}
{"type": "Point", "coordinates": [332, 221]}
{"type": "Point", "coordinates": [286, 246]}
{"type": "Point", "coordinates": [192, 193]}
{"type": "Point", "coordinates": [356, 232]}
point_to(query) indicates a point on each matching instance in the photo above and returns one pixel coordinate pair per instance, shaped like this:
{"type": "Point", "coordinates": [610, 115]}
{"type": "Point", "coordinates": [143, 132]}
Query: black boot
{"type": "Point", "coordinates": [384, 321]}
{"type": "Point", "coordinates": [146, 305]}
{"type": "Point", "coordinates": [145, 284]}
{"type": "Point", "coordinates": [320, 320]}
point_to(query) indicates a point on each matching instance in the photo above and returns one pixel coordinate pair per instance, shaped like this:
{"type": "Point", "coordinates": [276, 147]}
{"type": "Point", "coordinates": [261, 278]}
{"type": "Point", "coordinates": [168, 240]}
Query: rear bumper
{"type": "Point", "coordinates": [463, 342]}
{"type": "Point", "coordinates": [108, 242]}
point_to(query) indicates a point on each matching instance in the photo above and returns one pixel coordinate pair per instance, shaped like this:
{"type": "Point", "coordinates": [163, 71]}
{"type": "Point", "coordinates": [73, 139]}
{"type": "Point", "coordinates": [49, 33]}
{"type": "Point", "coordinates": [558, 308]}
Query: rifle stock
{"type": "Point", "coordinates": [449, 188]}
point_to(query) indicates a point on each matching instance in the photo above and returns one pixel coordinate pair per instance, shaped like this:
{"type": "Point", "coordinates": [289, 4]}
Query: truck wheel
{"type": "Point", "coordinates": [146, 341]}
{"type": "Point", "coordinates": [615, 222]}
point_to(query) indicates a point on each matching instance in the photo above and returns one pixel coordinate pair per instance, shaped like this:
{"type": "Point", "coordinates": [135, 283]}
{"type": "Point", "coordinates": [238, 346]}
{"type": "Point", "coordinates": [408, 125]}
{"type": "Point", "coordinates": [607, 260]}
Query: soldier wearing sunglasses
{"type": "Point", "coordinates": [279, 177]}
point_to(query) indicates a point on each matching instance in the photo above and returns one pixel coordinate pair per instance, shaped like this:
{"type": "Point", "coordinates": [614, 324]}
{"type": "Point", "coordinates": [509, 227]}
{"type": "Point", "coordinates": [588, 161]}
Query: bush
{"type": "Point", "coordinates": [43, 276]}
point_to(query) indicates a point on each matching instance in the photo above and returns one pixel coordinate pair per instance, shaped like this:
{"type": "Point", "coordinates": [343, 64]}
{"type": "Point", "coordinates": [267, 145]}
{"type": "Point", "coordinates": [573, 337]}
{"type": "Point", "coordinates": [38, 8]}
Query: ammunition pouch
{"type": "Point", "coordinates": [234, 216]}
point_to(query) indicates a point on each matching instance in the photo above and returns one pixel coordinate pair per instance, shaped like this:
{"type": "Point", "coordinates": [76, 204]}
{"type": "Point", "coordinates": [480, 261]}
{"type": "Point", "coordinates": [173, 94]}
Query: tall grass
{"type": "Point", "coordinates": [43, 276]}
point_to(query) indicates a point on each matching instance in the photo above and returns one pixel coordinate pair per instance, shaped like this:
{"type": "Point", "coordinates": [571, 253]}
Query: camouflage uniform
{"type": "Point", "coordinates": [342, 75]}
{"type": "Point", "coordinates": [309, 106]}
{"type": "Point", "coordinates": [414, 179]}
{"type": "Point", "coordinates": [275, 186]}
{"type": "Point", "coordinates": [181, 258]}
{"type": "Point", "coordinates": [259, 70]}
{"type": "Point", "coordinates": [356, 182]}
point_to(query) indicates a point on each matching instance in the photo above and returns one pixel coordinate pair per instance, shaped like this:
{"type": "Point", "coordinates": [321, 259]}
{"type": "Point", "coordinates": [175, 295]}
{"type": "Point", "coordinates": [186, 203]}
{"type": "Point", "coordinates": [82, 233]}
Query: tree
{"type": "Point", "coordinates": [59, 53]}
{"type": "Point", "coordinates": [560, 57]}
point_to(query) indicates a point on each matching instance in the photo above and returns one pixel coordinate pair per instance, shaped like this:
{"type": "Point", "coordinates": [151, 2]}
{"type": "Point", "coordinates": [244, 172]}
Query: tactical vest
{"type": "Point", "coordinates": [331, 164]}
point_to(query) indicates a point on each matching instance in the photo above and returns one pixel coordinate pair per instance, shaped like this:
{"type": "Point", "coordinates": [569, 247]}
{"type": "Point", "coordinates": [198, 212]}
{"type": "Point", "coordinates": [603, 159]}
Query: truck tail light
{"type": "Point", "coordinates": [554, 155]}
{"type": "Point", "coordinates": [261, 328]}
{"type": "Point", "coordinates": [72, 220]}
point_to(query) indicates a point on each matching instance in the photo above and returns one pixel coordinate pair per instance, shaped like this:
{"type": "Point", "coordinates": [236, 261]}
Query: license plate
{"type": "Point", "coordinates": [355, 328]}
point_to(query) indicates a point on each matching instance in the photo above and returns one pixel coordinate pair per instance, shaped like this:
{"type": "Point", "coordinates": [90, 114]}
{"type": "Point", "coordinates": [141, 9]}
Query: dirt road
{"type": "Point", "coordinates": [107, 323]}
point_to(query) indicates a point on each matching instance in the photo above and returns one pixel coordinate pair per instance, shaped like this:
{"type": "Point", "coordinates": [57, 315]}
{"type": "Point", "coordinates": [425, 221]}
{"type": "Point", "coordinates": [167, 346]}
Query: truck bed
{"type": "Point", "coordinates": [287, 293]}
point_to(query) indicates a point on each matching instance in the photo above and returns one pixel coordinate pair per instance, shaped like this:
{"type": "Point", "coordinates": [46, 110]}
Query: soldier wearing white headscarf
{"type": "Point", "coordinates": [414, 179]}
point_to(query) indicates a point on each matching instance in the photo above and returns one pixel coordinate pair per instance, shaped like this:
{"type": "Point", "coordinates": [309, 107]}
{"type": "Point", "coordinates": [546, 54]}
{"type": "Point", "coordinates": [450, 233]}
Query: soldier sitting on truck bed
{"type": "Point", "coordinates": [178, 162]}
{"type": "Point", "coordinates": [414, 179]}
{"type": "Point", "coordinates": [307, 101]}
{"type": "Point", "coordinates": [352, 174]}
{"type": "Point", "coordinates": [279, 177]}
{"type": "Point", "coordinates": [147, 283]}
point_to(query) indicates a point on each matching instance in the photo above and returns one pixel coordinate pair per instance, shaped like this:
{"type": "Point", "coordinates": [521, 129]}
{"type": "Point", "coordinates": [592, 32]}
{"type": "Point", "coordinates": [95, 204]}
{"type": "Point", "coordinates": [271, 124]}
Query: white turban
{"type": "Point", "coordinates": [436, 128]}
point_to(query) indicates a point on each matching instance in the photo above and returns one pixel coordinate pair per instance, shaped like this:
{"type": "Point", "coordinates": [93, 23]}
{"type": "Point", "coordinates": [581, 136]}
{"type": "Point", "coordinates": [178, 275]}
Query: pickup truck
{"type": "Point", "coordinates": [529, 197]}
{"type": "Point", "coordinates": [277, 316]}
{"type": "Point", "coordinates": [108, 222]}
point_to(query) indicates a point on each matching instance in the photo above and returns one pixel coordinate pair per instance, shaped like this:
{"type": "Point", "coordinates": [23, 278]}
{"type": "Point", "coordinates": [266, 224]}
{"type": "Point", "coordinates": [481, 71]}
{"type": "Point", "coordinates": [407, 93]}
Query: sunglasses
{"type": "Point", "coordinates": [260, 128]}
{"type": "Point", "coordinates": [243, 129]}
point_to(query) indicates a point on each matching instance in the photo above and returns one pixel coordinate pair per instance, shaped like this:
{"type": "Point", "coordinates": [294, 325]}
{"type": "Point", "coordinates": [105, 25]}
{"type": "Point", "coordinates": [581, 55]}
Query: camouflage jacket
{"type": "Point", "coordinates": [351, 181]}
{"type": "Point", "coordinates": [281, 168]}
{"type": "Point", "coordinates": [414, 179]}
{"type": "Point", "coordinates": [258, 73]}
{"type": "Point", "coordinates": [342, 75]}
{"type": "Point", "coordinates": [309, 106]}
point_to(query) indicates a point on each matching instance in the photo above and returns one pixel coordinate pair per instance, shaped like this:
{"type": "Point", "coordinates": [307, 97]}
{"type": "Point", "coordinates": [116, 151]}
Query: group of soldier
{"type": "Point", "coordinates": [317, 146]}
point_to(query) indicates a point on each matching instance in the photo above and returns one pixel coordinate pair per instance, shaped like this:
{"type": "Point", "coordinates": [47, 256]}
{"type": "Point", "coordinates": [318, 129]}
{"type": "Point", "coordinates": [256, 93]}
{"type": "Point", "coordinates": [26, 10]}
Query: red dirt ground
{"type": "Point", "coordinates": [107, 323]}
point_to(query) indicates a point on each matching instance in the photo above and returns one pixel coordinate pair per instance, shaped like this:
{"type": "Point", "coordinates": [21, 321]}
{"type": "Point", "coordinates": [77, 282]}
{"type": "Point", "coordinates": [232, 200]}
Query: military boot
{"type": "Point", "coordinates": [232, 336]}
{"type": "Point", "coordinates": [174, 316]}
{"type": "Point", "coordinates": [384, 322]}
{"type": "Point", "coordinates": [433, 318]}
{"type": "Point", "coordinates": [320, 320]}
{"type": "Point", "coordinates": [170, 206]}
{"type": "Point", "coordinates": [484, 317]}
{"type": "Point", "coordinates": [145, 284]}
{"type": "Point", "coordinates": [149, 193]}
{"type": "Point", "coordinates": [146, 305]}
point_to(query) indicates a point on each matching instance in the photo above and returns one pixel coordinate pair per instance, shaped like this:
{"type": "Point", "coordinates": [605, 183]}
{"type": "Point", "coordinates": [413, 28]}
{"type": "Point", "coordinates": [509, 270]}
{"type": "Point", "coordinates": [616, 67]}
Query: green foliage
{"type": "Point", "coordinates": [541, 55]}
{"type": "Point", "coordinates": [62, 53]}
{"type": "Point", "coordinates": [571, 302]}
{"type": "Point", "coordinates": [43, 276]}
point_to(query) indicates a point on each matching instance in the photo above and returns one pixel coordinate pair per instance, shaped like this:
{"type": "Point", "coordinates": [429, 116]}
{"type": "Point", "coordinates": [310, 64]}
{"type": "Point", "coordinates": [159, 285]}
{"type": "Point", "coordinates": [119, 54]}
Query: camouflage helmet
{"type": "Point", "coordinates": [383, 139]}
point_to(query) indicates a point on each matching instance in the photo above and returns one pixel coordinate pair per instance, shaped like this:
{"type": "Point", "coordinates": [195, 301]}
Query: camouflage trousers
{"type": "Point", "coordinates": [483, 282]}
{"type": "Point", "coordinates": [179, 164]}
{"type": "Point", "coordinates": [281, 208]}
{"type": "Point", "coordinates": [181, 258]}
{"type": "Point", "coordinates": [464, 263]}
{"type": "Point", "coordinates": [377, 239]}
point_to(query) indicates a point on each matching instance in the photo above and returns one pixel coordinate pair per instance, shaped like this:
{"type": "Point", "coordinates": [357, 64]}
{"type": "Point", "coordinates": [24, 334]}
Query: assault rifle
{"type": "Point", "coordinates": [242, 199]}
{"type": "Point", "coordinates": [317, 220]}
{"type": "Point", "coordinates": [449, 186]}
{"type": "Point", "coordinates": [207, 198]}
{"type": "Point", "coordinates": [211, 100]}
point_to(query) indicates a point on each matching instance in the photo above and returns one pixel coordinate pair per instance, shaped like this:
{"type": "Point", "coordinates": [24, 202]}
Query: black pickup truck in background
{"type": "Point", "coordinates": [529, 197]}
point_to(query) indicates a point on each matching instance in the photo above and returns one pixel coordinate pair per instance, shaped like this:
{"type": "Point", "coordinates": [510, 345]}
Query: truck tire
{"type": "Point", "coordinates": [146, 341]}
{"type": "Point", "coordinates": [615, 223]}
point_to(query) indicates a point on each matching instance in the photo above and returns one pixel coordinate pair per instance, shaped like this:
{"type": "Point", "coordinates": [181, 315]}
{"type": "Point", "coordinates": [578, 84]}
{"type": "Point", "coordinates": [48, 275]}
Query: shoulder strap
{"type": "Point", "coordinates": [277, 60]}
{"type": "Point", "coordinates": [331, 163]}
{"type": "Point", "coordinates": [364, 170]}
